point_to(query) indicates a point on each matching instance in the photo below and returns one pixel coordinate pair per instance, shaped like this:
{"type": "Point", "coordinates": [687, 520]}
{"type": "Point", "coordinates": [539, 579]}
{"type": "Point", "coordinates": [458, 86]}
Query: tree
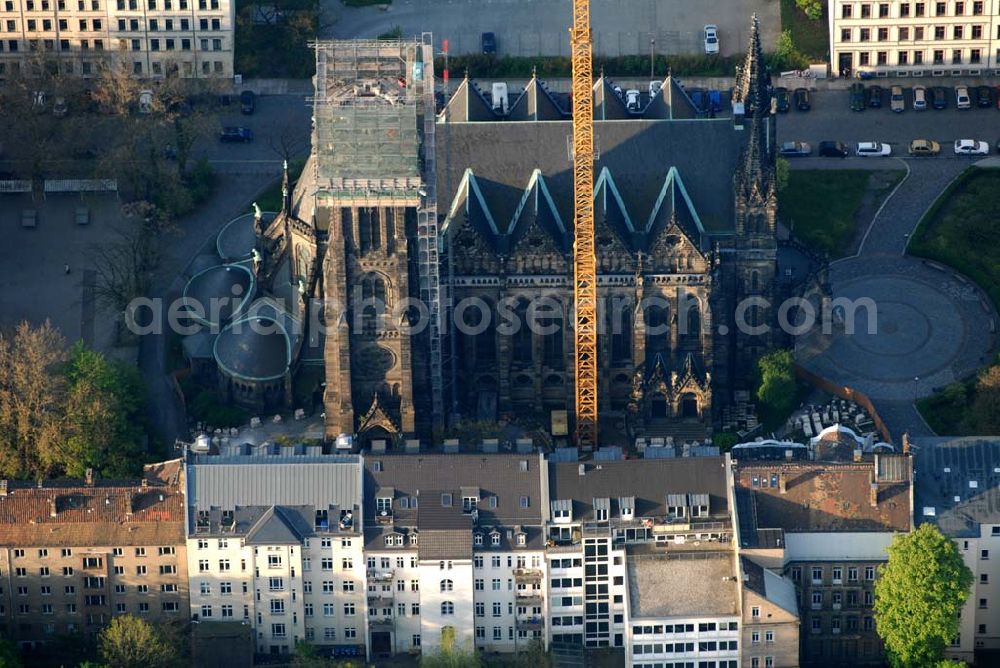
{"type": "Point", "coordinates": [985, 412]}
{"type": "Point", "coordinates": [31, 400]}
{"type": "Point", "coordinates": [776, 387]}
{"type": "Point", "coordinates": [130, 642]}
{"type": "Point", "coordinates": [918, 596]}
{"type": "Point", "coordinates": [811, 8]}
{"type": "Point", "coordinates": [114, 89]}
{"type": "Point", "coordinates": [451, 658]}
{"type": "Point", "coordinates": [104, 408]}
{"type": "Point", "coordinates": [781, 173]}
{"type": "Point", "coordinates": [9, 658]}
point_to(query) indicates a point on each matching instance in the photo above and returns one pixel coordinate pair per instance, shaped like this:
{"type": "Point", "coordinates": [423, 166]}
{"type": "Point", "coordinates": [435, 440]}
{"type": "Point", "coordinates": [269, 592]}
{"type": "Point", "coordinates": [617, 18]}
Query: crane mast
{"type": "Point", "coordinates": [584, 257]}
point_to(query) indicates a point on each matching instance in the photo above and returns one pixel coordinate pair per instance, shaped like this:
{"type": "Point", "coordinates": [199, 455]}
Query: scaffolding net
{"type": "Point", "coordinates": [365, 108]}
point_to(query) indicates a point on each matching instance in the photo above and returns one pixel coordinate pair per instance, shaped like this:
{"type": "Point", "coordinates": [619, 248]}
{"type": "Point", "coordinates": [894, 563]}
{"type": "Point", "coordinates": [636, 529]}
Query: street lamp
{"type": "Point", "coordinates": [652, 56]}
{"type": "Point", "coordinates": [916, 379]}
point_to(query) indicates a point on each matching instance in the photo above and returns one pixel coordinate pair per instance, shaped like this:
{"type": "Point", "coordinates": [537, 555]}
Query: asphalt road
{"type": "Point", "coordinates": [540, 27]}
{"type": "Point", "coordinates": [831, 119]}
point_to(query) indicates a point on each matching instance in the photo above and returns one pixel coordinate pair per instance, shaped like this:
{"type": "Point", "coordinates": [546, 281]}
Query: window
{"type": "Point", "coordinates": [883, 34]}
{"type": "Point", "coordinates": [206, 611]}
{"type": "Point", "coordinates": [852, 573]}
{"type": "Point", "coordinates": [755, 637]}
{"type": "Point", "coordinates": [984, 554]}
{"type": "Point", "coordinates": [329, 609]}
{"type": "Point", "coordinates": [838, 574]}
{"type": "Point", "coordinates": [223, 564]}
{"type": "Point", "coordinates": [497, 609]}
{"type": "Point", "coordinates": [983, 604]}
{"type": "Point", "coordinates": [769, 636]}
{"type": "Point", "coordinates": [883, 10]}
{"type": "Point", "coordinates": [817, 574]}
{"type": "Point", "coordinates": [348, 585]}
{"type": "Point", "coordinates": [904, 10]}
{"type": "Point", "coordinates": [940, 8]}
{"type": "Point", "coordinates": [866, 11]}
{"type": "Point", "coordinates": [755, 612]}
{"type": "Point", "coordinates": [866, 34]}
{"type": "Point", "coordinates": [938, 32]}
{"type": "Point", "coordinates": [984, 578]}
{"type": "Point", "coordinates": [446, 500]}
{"type": "Point", "coordinates": [349, 609]}
{"type": "Point", "coordinates": [140, 570]}
{"type": "Point", "coordinates": [202, 565]}
{"type": "Point", "coordinates": [977, 8]}
{"type": "Point", "coordinates": [168, 569]}
{"type": "Point", "coordinates": [277, 630]}
{"type": "Point", "coordinates": [869, 573]}
{"type": "Point", "coordinates": [918, 34]}
{"type": "Point", "coordinates": [957, 32]}
{"type": "Point", "coordinates": [447, 608]}
{"type": "Point", "coordinates": [275, 584]}
{"type": "Point", "coordinates": [959, 8]}
{"type": "Point", "coordinates": [919, 9]}
{"type": "Point", "coordinates": [447, 585]}
{"type": "Point", "coordinates": [977, 32]}
{"type": "Point", "coordinates": [846, 11]}
{"type": "Point", "coordinates": [845, 34]}
{"type": "Point", "coordinates": [525, 502]}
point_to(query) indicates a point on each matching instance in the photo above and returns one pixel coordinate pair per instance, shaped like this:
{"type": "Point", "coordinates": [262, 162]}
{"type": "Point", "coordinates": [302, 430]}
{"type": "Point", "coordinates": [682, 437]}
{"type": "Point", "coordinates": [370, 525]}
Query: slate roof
{"type": "Point", "coordinates": [770, 586]}
{"type": "Point", "coordinates": [946, 468]}
{"type": "Point", "coordinates": [638, 155]}
{"type": "Point", "coordinates": [822, 497]}
{"type": "Point", "coordinates": [111, 512]}
{"type": "Point", "coordinates": [420, 480]}
{"type": "Point", "coordinates": [278, 526]}
{"type": "Point", "coordinates": [649, 481]}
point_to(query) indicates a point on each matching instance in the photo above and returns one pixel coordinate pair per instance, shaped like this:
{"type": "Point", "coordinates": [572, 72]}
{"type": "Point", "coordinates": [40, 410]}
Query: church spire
{"type": "Point", "coordinates": [285, 193]}
{"type": "Point", "coordinates": [753, 83]}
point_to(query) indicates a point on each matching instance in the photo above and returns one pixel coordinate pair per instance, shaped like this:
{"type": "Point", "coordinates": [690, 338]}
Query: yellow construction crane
{"type": "Point", "coordinates": [584, 257]}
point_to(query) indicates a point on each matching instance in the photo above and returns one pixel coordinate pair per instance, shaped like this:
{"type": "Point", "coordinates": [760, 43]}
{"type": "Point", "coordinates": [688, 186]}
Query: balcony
{"type": "Point", "coordinates": [527, 575]}
{"type": "Point", "coordinates": [380, 624]}
{"type": "Point", "coordinates": [379, 598]}
{"type": "Point", "coordinates": [532, 598]}
{"type": "Point", "coordinates": [531, 623]}
{"type": "Point", "coordinates": [375, 575]}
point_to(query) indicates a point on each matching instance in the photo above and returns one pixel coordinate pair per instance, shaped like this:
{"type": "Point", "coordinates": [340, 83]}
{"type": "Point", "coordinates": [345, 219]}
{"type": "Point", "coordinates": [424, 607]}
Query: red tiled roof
{"type": "Point", "coordinates": [70, 513]}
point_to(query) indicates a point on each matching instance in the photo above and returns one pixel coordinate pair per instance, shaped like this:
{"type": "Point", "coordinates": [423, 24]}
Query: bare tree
{"type": "Point", "coordinates": [114, 88]}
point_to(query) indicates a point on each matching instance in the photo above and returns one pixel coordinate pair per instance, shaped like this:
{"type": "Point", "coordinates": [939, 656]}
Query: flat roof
{"type": "Point", "coordinates": [695, 585]}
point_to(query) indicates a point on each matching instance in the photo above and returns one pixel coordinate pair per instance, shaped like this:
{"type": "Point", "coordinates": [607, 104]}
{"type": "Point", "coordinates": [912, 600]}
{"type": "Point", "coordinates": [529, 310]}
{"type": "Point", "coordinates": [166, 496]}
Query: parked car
{"type": "Point", "coordinates": [781, 100]}
{"type": "Point", "coordinates": [248, 102]}
{"type": "Point", "coordinates": [795, 149]}
{"type": "Point", "coordinates": [971, 147]}
{"type": "Point", "coordinates": [632, 100]}
{"type": "Point", "coordinates": [711, 38]}
{"type": "Point", "coordinates": [833, 149]}
{"type": "Point", "coordinates": [923, 147]}
{"type": "Point", "coordinates": [962, 99]}
{"type": "Point", "coordinates": [939, 97]}
{"type": "Point", "coordinates": [919, 98]}
{"type": "Point", "coordinates": [236, 134]}
{"type": "Point", "coordinates": [873, 149]}
{"type": "Point", "coordinates": [857, 97]}
{"type": "Point", "coordinates": [802, 99]}
{"type": "Point", "coordinates": [874, 95]}
{"type": "Point", "coordinates": [984, 96]}
{"type": "Point", "coordinates": [715, 101]}
{"type": "Point", "coordinates": [489, 43]}
{"type": "Point", "coordinates": [897, 103]}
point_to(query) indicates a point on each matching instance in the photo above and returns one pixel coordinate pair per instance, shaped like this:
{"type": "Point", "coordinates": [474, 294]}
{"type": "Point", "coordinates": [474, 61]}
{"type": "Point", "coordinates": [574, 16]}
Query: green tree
{"type": "Point", "coordinates": [9, 658]}
{"type": "Point", "coordinates": [781, 173]}
{"type": "Point", "coordinates": [918, 596]}
{"type": "Point", "coordinates": [451, 658]}
{"type": "Point", "coordinates": [985, 413]}
{"type": "Point", "coordinates": [130, 642]}
{"type": "Point", "coordinates": [776, 386]}
{"type": "Point", "coordinates": [811, 8]}
{"type": "Point", "coordinates": [103, 418]}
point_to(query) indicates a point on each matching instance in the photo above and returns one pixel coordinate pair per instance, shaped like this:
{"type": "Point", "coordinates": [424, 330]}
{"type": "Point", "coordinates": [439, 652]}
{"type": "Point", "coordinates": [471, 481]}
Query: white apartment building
{"type": "Point", "coordinates": [957, 487]}
{"type": "Point", "coordinates": [153, 38]}
{"type": "Point", "coordinates": [274, 541]}
{"type": "Point", "coordinates": [455, 551]}
{"type": "Point", "coordinates": [914, 38]}
{"type": "Point", "coordinates": [612, 518]}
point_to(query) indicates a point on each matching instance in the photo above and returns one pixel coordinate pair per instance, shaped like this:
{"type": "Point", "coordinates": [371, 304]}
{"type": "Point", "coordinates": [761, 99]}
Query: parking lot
{"type": "Point", "coordinates": [831, 119]}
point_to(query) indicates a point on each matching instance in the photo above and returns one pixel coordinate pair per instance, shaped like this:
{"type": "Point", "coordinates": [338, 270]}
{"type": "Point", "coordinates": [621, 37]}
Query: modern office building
{"type": "Point", "coordinates": [152, 38]}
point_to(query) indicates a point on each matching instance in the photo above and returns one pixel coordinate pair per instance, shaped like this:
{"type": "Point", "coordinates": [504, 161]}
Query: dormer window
{"type": "Point", "coordinates": [562, 511]}
{"type": "Point", "coordinates": [446, 500]}
{"type": "Point", "coordinates": [676, 506]}
{"type": "Point", "coordinates": [414, 539]}
{"type": "Point", "coordinates": [626, 506]}
{"type": "Point", "coordinates": [477, 540]}
{"type": "Point", "coordinates": [383, 503]}
{"type": "Point", "coordinates": [322, 520]}
{"type": "Point", "coordinates": [469, 503]}
{"type": "Point", "coordinates": [699, 505]}
{"type": "Point", "coordinates": [602, 509]}
{"type": "Point", "coordinates": [495, 539]}
{"type": "Point", "coordinates": [522, 539]}
{"type": "Point", "coordinates": [388, 541]}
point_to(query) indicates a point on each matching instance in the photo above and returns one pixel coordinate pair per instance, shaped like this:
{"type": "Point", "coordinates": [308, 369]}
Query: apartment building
{"type": "Point", "coordinates": [770, 618]}
{"type": "Point", "coordinates": [455, 551]}
{"type": "Point", "coordinates": [825, 525]}
{"type": "Point", "coordinates": [274, 540]}
{"type": "Point", "coordinates": [75, 553]}
{"type": "Point", "coordinates": [640, 557]}
{"type": "Point", "coordinates": [153, 38]}
{"type": "Point", "coordinates": [957, 488]}
{"type": "Point", "coordinates": [914, 38]}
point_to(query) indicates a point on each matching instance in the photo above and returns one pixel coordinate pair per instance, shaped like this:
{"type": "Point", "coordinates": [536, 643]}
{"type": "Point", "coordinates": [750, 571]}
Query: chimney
{"type": "Point", "coordinates": [857, 454]}
{"type": "Point", "coordinates": [144, 484]}
{"type": "Point", "coordinates": [788, 455]}
{"type": "Point", "coordinates": [782, 482]}
{"type": "Point", "coordinates": [906, 442]}
{"type": "Point", "coordinates": [874, 490]}
{"type": "Point", "coordinates": [3, 487]}
{"type": "Point", "coordinates": [88, 478]}
{"type": "Point", "coordinates": [53, 507]}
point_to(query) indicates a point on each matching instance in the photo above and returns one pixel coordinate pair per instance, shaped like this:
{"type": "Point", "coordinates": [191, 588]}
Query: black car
{"type": "Point", "coordinates": [833, 149]}
{"type": "Point", "coordinates": [781, 100]}
{"type": "Point", "coordinates": [857, 97]}
{"type": "Point", "coordinates": [984, 96]}
{"type": "Point", "coordinates": [235, 134]}
{"type": "Point", "coordinates": [939, 97]}
{"type": "Point", "coordinates": [802, 102]}
{"type": "Point", "coordinates": [489, 43]}
{"type": "Point", "coordinates": [874, 95]}
{"type": "Point", "coordinates": [248, 102]}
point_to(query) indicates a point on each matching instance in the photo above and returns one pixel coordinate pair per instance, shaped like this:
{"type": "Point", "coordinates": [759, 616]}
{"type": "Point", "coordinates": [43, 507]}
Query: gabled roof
{"type": "Point", "coordinates": [535, 103]}
{"type": "Point", "coordinates": [275, 527]}
{"type": "Point", "coordinates": [776, 589]}
{"type": "Point", "coordinates": [468, 103]}
{"type": "Point", "coordinates": [671, 102]}
{"type": "Point", "coordinates": [608, 106]}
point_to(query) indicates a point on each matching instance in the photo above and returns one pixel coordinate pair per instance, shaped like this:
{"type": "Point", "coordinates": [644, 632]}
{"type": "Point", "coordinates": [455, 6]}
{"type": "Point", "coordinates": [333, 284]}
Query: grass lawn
{"type": "Point", "coordinates": [810, 37]}
{"type": "Point", "coordinates": [960, 231]}
{"type": "Point", "coordinates": [820, 205]}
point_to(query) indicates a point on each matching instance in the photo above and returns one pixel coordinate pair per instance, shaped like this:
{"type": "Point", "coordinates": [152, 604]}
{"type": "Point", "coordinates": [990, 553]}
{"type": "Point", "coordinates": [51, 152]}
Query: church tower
{"type": "Point", "coordinates": [756, 207]}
